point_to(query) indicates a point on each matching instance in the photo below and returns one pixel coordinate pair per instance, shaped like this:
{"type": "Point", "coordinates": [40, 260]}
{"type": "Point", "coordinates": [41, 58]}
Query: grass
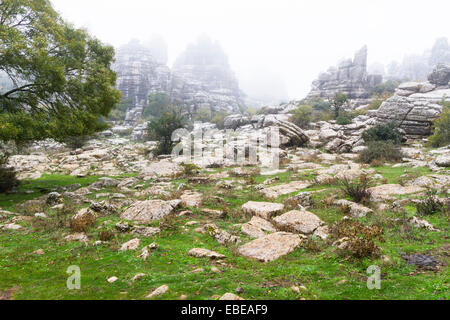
{"type": "Point", "coordinates": [325, 274]}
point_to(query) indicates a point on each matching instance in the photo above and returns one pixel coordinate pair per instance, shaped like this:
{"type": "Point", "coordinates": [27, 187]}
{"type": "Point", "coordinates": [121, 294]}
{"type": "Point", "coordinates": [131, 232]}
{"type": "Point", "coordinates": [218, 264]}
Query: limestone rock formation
{"type": "Point", "coordinates": [415, 104]}
{"type": "Point", "coordinates": [350, 78]}
{"type": "Point", "coordinates": [202, 78]}
{"type": "Point", "coordinates": [138, 74]}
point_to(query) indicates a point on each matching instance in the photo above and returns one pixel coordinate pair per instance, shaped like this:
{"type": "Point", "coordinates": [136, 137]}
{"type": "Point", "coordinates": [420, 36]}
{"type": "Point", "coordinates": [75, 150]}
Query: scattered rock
{"type": "Point", "coordinates": [149, 211]}
{"type": "Point", "coordinates": [356, 210]}
{"type": "Point", "coordinates": [277, 191]}
{"type": "Point", "coordinates": [265, 210]}
{"type": "Point", "coordinates": [131, 245]}
{"type": "Point", "coordinates": [204, 253]}
{"type": "Point", "coordinates": [113, 279]}
{"type": "Point", "coordinates": [271, 247]}
{"type": "Point", "coordinates": [303, 222]}
{"type": "Point", "coordinates": [158, 292]}
{"type": "Point", "coordinates": [230, 297]}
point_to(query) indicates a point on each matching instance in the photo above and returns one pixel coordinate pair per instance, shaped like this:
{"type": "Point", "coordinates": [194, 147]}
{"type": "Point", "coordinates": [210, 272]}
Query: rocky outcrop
{"type": "Point", "coordinates": [290, 134]}
{"type": "Point", "coordinates": [139, 74]}
{"type": "Point", "coordinates": [350, 78]}
{"type": "Point", "coordinates": [415, 105]}
{"type": "Point", "coordinates": [202, 78]}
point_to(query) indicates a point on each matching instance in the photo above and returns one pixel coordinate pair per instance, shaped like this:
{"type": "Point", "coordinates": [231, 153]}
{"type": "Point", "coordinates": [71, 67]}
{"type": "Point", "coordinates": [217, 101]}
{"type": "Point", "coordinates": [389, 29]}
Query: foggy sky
{"type": "Point", "coordinates": [293, 39]}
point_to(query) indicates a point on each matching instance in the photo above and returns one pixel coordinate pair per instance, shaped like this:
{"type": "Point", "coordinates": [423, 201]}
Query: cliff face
{"type": "Point", "coordinates": [138, 75]}
{"type": "Point", "coordinates": [350, 78]}
{"type": "Point", "coordinates": [201, 77]}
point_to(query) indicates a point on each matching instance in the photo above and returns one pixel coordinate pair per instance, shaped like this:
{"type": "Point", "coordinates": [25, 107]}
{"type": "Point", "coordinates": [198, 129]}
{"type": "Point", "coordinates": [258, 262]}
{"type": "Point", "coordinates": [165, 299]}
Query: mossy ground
{"type": "Point", "coordinates": [325, 274]}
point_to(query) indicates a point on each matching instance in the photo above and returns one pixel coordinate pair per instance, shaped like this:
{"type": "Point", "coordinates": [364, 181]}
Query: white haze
{"type": "Point", "coordinates": [290, 40]}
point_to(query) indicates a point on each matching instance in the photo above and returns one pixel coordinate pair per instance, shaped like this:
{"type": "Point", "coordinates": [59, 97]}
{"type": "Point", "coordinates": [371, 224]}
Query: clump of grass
{"type": "Point", "coordinates": [106, 235]}
{"type": "Point", "coordinates": [357, 190]}
{"type": "Point", "coordinates": [431, 205]}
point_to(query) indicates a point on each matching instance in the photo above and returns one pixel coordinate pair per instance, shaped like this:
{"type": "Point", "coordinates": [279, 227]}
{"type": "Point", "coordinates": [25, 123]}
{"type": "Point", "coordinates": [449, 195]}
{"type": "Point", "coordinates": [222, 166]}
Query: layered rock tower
{"type": "Point", "coordinates": [349, 77]}
{"type": "Point", "coordinates": [201, 77]}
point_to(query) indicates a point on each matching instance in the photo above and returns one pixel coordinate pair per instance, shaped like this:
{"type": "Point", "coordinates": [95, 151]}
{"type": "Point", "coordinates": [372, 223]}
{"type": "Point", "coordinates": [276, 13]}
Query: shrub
{"type": "Point", "coordinates": [161, 130]}
{"type": "Point", "coordinates": [219, 120]}
{"type": "Point", "coordinates": [441, 136]}
{"type": "Point", "coordinates": [357, 239]}
{"type": "Point", "coordinates": [356, 189]}
{"type": "Point", "coordinates": [384, 88]}
{"type": "Point", "coordinates": [338, 103]}
{"type": "Point", "coordinates": [343, 120]}
{"type": "Point", "coordinates": [203, 114]}
{"type": "Point", "coordinates": [106, 235]}
{"type": "Point", "coordinates": [431, 205]}
{"type": "Point", "coordinates": [383, 132]}
{"type": "Point", "coordinates": [302, 116]}
{"type": "Point", "coordinates": [8, 179]}
{"type": "Point", "coordinates": [379, 152]}
{"type": "Point", "coordinates": [190, 169]}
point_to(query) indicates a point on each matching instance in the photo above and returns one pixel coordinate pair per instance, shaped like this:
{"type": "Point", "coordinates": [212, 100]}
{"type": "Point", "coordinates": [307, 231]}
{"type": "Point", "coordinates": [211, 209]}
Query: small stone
{"type": "Point", "coordinates": [138, 277]}
{"type": "Point", "coordinates": [230, 297]}
{"type": "Point", "coordinates": [39, 252]}
{"type": "Point", "coordinates": [204, 253]}
{"type": "Point", "coordinates": [239, 290]}
{"type": "Point", "coordinates": [215, 270]}
{"type": "Point", "coordinates": [131, 245]}
{"type": "Point", "coordinates": [113, 279]}
{"type": "Point", "coordinates": [158, 292]}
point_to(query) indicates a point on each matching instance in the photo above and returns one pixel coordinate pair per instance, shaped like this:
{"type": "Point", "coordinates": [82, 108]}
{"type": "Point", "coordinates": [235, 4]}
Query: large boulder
{"type": "Point", "coordinates": [271, 247]}
{"type": "Point", "coordinates": [264, 210]}
{"type": "Point", "coordinates": [303, 222]}
{"type": "Point", "coordinates": [440, 75]}
{"type": "Point", "coordinates": [163, 168]}
{"type": "Point", "coordinates": [235, 121]}
{"type": "Point", "coordinates": [149, 211]}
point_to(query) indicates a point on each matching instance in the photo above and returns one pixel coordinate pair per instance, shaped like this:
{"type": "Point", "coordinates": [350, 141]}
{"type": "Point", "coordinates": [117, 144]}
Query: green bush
{"type": "Point", "coordinates": [219, 120]}
{"type": "Point", "coordinates": [441, 136]}
{"type": "Point", "coordinates": [161, 130]}
{"type": "Point", "coordinates": [383, 132]}
{"type": "Point", "coordinates": [302, 116]}
{"type": "Point", "coordinates": [343, 120]}
{"type": "Point", "coordinates": [387, 87]}
{"type": "Point", "coordinates": [381, 151]}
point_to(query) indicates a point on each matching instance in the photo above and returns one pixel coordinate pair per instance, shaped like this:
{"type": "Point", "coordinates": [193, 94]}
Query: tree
{"type": "Point", "coordinates": [61, 81]}
{"type": "Point", "coordinates": [338, 102]}
{"type": "Point", "coordinates": [161, 129]}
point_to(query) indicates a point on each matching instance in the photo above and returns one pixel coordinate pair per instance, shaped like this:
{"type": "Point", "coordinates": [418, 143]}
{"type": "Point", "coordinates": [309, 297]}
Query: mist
{"type": "Point", "coordinates": [282, 44]}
